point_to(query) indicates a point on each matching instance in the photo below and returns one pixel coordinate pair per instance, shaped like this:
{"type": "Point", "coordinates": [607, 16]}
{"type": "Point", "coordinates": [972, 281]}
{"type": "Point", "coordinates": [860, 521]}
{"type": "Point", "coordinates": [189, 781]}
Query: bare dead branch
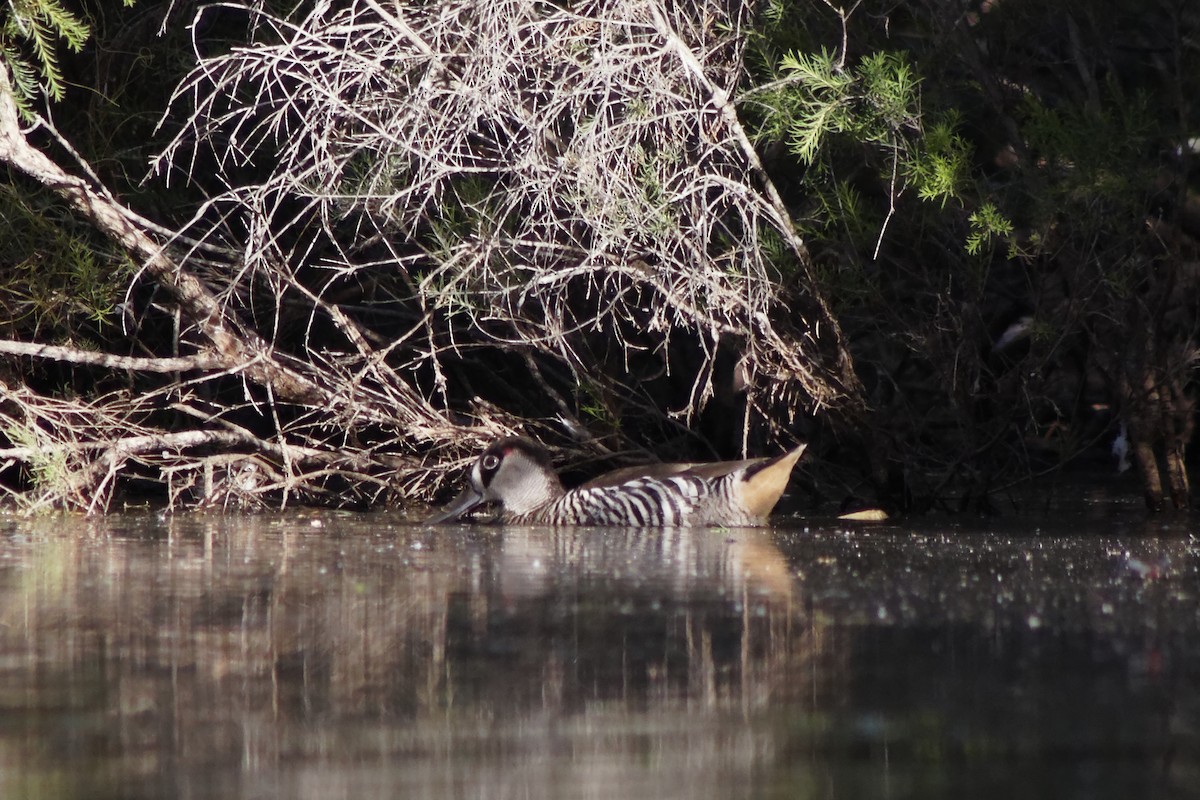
{"type": "Point", "coordinates": [530, 153]}
{"type": "Point", "coordinates": [236, 347]}
{"type": "Point", "coordinates": [73, 355]}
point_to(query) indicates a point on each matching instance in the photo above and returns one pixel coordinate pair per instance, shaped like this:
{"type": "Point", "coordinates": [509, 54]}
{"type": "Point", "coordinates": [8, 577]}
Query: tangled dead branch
{"type": "Point", "coordinates": [437, 206]}
{"type": "Point", "coordinates": [524, 155]}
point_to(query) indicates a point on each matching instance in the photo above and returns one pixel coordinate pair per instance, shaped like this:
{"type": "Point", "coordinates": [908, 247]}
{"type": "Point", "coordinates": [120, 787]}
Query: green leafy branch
{"type": "Point", "coordinates": [872, 102]}
{"type": "Point", "coordinates": [828, 111]}
{"type": "Point", "coordinates": [986, 223]}
{"type": "Point", "coordinates": [28, 42]}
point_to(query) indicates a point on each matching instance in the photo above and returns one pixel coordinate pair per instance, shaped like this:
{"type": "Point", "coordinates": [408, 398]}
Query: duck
{"type": "Point", "coordinates": [517, 474]}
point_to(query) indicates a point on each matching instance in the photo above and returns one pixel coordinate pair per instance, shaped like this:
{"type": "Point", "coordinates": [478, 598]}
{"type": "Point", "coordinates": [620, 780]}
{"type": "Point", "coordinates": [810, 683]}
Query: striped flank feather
{"type": "Point", "coordinates": [517, 474]}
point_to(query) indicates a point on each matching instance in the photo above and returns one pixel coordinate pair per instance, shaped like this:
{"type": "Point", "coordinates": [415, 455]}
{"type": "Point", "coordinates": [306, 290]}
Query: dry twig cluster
{"type": "Point", "coordinates": [409, 199]}
{"type": "Point", "coordinates": [535, 154]}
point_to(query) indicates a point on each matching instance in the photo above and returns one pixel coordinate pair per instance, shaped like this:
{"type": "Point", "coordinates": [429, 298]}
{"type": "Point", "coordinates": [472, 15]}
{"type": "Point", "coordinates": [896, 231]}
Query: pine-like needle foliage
{"type": "Point", "coordinates": [29, 41]}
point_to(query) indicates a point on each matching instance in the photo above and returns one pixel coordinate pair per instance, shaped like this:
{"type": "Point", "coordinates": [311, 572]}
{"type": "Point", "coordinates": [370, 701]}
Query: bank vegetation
{"type": "Point", "coordinates": [257, 256]}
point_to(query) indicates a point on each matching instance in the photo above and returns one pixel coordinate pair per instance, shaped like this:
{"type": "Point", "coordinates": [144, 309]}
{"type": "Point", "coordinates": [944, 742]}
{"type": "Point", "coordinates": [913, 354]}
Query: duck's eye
{"type": "Point", "coordinates": [490, 461]}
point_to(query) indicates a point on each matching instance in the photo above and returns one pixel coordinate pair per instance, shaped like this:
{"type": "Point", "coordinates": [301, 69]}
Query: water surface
{"type": "Point", "coordinates": [331, 655]}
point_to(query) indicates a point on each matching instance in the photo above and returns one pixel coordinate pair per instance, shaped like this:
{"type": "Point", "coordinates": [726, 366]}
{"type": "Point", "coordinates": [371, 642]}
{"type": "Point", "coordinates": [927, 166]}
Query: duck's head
{"type": "Point", "coordinates": [514, 472]}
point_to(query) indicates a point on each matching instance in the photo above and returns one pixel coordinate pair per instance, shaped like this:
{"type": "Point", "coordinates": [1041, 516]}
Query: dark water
{"type": "Point", "coordinates": [357, 656]}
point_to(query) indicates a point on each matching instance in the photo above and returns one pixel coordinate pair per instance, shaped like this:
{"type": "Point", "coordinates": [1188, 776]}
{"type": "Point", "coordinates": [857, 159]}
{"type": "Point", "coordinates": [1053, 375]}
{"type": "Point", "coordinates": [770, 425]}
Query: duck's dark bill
{"type": "Point", "coordinates": [466, 500]}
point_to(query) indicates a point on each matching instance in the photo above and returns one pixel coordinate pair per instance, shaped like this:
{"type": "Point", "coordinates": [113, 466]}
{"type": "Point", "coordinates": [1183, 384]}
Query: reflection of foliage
{"type": "Point", "coordinates": [416, 644]}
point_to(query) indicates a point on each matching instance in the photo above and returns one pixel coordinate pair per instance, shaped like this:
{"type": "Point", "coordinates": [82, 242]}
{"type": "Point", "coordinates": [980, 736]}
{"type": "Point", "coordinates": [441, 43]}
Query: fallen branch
{"type": "Point", "coordinates": [235, 344]}
{"type": "Point", "coordinates": [73, 355]}
{"type": "Point", "coordinates": [130, 445]}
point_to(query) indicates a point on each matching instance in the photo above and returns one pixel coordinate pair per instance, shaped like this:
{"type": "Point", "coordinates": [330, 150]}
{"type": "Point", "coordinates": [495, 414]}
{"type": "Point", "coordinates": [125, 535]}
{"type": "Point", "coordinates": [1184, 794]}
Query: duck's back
{"type": "Point", "coordinates": [675, 500]}
{"type": "Point", "coordinates": [665, 502]}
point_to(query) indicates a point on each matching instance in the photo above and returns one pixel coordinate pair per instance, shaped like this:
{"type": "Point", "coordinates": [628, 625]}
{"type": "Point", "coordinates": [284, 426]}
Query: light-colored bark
{"type": "Point", "coordinates": [235, 347]}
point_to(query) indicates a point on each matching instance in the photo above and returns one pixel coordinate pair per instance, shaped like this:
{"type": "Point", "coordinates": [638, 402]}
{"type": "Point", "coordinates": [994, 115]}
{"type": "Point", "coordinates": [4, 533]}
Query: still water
{"type": "Point", "coordinates": [330, 655]}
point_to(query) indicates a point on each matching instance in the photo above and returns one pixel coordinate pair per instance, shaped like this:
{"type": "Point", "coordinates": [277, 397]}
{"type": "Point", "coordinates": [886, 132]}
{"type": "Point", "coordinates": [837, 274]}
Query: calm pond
{"type": "Point", "coordinates": [336, 655]}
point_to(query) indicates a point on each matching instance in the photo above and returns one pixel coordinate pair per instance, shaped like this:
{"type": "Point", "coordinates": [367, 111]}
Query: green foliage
{"type": "Point", "coordinates": [58, 275]}
{"type": "Point", "coordinates": [779, 253]}
{"type": "Point", "coordinates": [650, 166]}
{"type": "Point", "coordinates": [876, 104]}
{"type": "Point", "coordinates": [939, 168]}
{"type": "Point", "coordinates": [1093, 160]}
{"type": "Point", "coordinates": [890, 87]}
{"type": "Point", "coordinates": [1091, 140]}
{"type": "Point", "coordinates": [841, 119]}
{"type": "Point", "coordinates": [871, 103]}
{"type": "Point", "coordinates": [49, 466]}
{"type": "Point", "coordinates": [1024, 161]}
{"type": "Point", "coordinates": [590, 398]}
{"type": "Point", "coordinates": [986, 223]}
{"type": "Point", "coordinates": [469, 211]}
{"type": "Point", "coordinates": [774, 13]}
{"type": "Point", "coordinates": [28, 41]}
{"type": "Point", "coordinates": [822, 105]}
